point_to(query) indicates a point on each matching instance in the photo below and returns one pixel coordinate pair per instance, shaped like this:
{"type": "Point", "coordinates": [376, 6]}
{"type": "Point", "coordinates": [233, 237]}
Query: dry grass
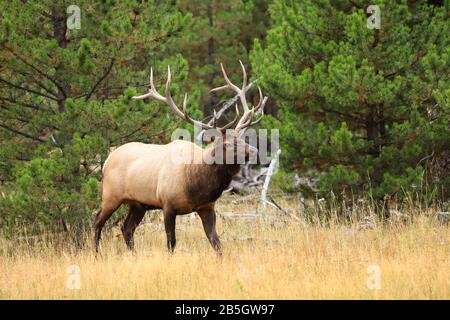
{"type": "Point", "coordinates": [263, 259]}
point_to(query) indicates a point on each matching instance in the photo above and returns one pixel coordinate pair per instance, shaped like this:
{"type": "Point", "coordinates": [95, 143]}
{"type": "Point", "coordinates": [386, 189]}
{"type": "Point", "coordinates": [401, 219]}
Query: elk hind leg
{"type": "Point", "coordinates": [102, 216]}
{"type": "Point", "coordinates": [135, 215]}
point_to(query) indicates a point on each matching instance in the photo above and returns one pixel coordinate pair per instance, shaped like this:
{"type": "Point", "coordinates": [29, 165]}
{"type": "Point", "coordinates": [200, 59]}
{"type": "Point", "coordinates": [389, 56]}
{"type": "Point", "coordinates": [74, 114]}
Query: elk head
{"type": "Point", "coordinates": [229, 142]}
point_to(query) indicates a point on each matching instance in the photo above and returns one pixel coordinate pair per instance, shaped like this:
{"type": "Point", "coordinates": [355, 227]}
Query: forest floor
{"type": "Point", "coordinates": [270, 255]}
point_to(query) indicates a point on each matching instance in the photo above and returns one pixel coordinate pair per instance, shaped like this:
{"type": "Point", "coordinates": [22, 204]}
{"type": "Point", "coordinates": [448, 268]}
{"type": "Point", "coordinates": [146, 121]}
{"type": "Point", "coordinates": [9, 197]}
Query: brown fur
{"type": "Point", "coordinates": [146, 177]}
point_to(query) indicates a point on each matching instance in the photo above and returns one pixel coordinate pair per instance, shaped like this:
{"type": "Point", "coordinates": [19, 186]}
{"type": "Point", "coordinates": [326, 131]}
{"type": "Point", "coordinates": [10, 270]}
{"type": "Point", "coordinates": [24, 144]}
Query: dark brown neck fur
{"type": "Point", "coordinates": [206, 182]}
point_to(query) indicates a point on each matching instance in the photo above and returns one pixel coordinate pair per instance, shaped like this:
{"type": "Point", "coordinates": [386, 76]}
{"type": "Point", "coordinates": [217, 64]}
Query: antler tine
{"type": "Point", "coordinates": [263, 104]}
{"type": "Point", "coordinates": [152, 85]}
{"type": "Point", "coordinates": [244, 76]}
{"type": "Point", "coordinates": [215, 118]}
{"type": "Point", "coordinates": [169, 99]}
{"type": "Point", "coordinates": [186, 117]}
{"type": "Point", "coordinates": [261, 117]}
{"type": "Point", "coordinates": [152, 92]}
{"type": "Point", "coordinates": [185, 103]}
{"type": "Point", "coordinates": [260, 99]}
{"type": "Point", "coordinates": [240, 92]}
{"type": "Point", "coordinates": [245, 121]}
{"type": "Point", "coordinates": [172, 106]}
{"type": "Point", "coordinates": [230, 124]}
{"type": "Point", "coordinates": [219, 88]}
{"type": "Point", "coordinates": [227, 80]}
{"type": "Point", "coordinates": [259, 109]}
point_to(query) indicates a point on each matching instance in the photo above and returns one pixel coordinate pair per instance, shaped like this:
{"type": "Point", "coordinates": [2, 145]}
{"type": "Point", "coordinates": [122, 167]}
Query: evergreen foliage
{"type": "Point", "coordinates": [363, 111]}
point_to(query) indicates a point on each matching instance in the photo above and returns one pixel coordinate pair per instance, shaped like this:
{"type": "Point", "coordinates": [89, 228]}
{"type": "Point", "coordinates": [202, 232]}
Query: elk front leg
{"type": "Point", "coordinates": [169, 225]}
{"type": "Point", "coordinates": [208, 216]}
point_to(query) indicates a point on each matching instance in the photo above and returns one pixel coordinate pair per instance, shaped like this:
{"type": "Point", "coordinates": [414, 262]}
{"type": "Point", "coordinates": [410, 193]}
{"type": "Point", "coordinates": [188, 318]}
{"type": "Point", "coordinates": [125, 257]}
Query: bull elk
{"type": "Point", "coordinates": [146, 177]}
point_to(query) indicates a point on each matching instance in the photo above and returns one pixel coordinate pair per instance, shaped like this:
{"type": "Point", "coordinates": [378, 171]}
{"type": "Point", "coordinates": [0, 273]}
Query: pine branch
{"type": "Point", "coordinates": [103, 77]}
{"type": "Point", "coordinates": [23, 134]}
{"type": "Point", "coordinates": [28, 90]}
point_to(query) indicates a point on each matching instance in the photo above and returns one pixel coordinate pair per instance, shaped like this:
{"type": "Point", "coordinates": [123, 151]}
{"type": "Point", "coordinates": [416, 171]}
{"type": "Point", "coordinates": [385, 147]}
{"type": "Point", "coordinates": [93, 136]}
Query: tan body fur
{"type": "Point", "coordinates": [174, 177]}
{"type": "Point", "coordinates": [145, 173]}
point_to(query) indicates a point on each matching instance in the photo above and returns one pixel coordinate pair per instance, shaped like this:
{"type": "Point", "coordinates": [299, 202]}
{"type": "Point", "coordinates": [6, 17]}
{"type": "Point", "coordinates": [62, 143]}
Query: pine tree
{"type": "Point", "coordinates": [363, 110]}
{"type": "Point", "coordinates": [222, 32]}
{"type": "Point", "coordinates": [65, 99]}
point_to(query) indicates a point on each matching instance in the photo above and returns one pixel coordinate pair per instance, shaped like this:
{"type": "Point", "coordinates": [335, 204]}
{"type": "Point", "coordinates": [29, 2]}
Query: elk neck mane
{"type": "Point", "coordinates": [206, 182]}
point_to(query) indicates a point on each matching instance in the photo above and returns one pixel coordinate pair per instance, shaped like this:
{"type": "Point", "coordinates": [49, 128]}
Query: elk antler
{"type": "Point", "coordinates": [152, 92]}
{"type": "Point", "coordinates": [247, 118]}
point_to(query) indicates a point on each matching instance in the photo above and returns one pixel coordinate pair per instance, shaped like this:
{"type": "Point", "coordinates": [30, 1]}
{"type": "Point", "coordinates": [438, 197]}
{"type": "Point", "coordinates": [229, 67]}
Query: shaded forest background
{"type": "Point", "coordinates": [361, 112]}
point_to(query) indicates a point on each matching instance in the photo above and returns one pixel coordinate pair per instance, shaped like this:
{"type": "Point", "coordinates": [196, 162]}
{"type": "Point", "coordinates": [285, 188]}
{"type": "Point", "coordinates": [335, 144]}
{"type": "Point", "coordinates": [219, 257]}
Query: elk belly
{"type": "Point", "coordinates": [192, 310]}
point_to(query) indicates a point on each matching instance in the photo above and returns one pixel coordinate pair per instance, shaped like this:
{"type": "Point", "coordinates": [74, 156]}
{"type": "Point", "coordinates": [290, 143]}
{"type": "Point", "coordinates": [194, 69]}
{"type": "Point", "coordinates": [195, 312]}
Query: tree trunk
{"type": "Point", "coordinates": [59, 20]}
{"type": "Point", "coordinates": [213, 98]}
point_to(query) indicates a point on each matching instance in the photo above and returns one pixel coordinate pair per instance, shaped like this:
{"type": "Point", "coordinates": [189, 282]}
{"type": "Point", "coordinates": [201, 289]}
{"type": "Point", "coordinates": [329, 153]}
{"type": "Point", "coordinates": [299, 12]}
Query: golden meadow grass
{"type": "Point", "coordinates": [264, 258]}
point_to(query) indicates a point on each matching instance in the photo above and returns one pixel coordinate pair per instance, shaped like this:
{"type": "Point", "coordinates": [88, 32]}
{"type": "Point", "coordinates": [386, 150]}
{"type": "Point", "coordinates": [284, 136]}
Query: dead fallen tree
{"type": "Point", "coordinates": [242, 215]}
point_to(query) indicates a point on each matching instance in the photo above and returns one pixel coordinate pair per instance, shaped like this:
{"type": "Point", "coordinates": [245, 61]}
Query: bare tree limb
{"type": "Point", "coordinates": [103, 77]}
{"type": "Point", "coordinates": [23, 134]}
{"type": "Point", "coordinates": [53, 80]}
{"type": "Point", "coordinates": [28, 90]}
{"type": "Point", "coordinates": [12, 101]}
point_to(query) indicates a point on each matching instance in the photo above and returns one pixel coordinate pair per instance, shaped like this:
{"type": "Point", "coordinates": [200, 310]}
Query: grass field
{"type": "Point", "coordinates": [272, 256]}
